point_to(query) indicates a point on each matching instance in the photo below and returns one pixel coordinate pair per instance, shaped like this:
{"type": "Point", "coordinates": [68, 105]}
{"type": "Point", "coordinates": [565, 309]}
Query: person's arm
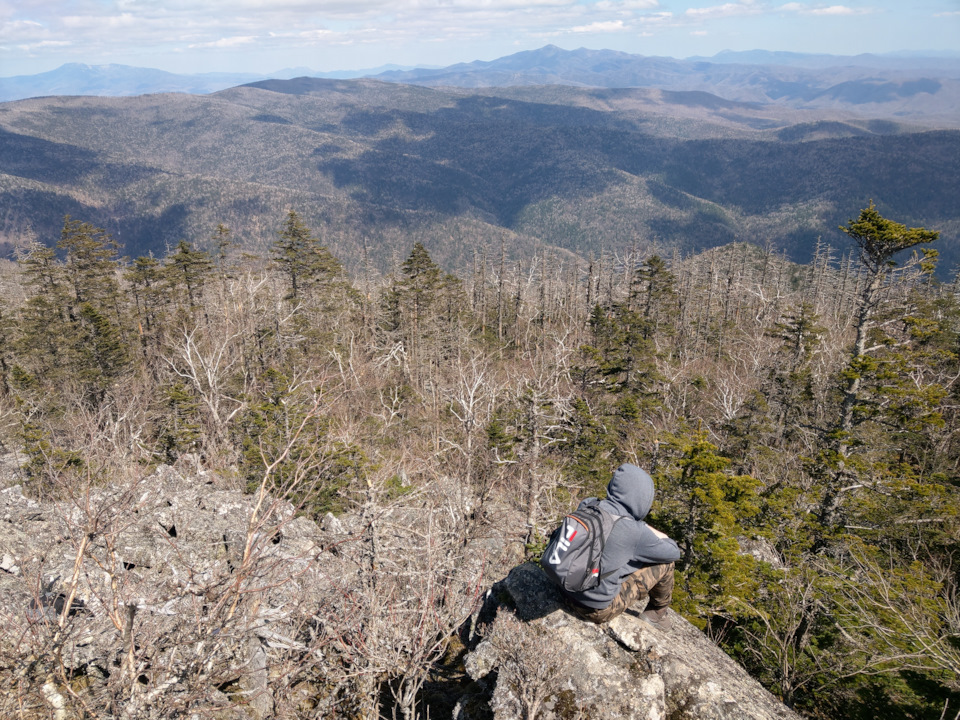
{"type": "Point", "coordinates": [660, 549]}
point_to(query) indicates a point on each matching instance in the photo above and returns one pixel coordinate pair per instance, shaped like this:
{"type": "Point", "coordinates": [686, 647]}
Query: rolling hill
{"type": "Point", "coordinates": [923, 90]}
{"type": "Point", "coordinates": [373, 166]}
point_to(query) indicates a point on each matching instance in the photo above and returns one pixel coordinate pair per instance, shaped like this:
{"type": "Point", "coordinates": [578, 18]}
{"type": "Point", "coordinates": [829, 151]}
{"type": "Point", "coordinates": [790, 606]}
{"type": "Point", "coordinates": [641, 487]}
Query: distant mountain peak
{"type": "Point", "coordinates": [732, 74]}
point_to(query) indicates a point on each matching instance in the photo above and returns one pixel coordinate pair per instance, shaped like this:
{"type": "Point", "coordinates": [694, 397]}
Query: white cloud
{"type": "Point", "coordinates": [725, 10]}
{"type": "Point", "coordinates": [31, 47]}
{"type": "Point", "coordinates": [28, 36]}
{"type": "Point", "coordinates": [130, 27]}
{"type": "Point", "coordinates": [22, 28]}
{"type": "Point", "coordinates": [228, 42]}
{"type": "Point", "coordinates": [121, 30]}
{"type": "Point", "coordinates": [656, 18]}
{"type": "Point", "coordinates": [626, 5]}
{"type": "Point", "coordinates": [834, 10]}
{"type": "Point", "coordinates": [699, 33]}
{"type": "Point", "coordinates": [601, 27]}
{"type": "Point", "coordinates": [490, 4]}
{"type": "Point", "coordinates": [317, 34]}
{"type": "Point", "coordinates": [104, 22]}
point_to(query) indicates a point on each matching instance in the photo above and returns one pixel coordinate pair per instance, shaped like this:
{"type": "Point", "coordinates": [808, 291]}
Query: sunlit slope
{"type": "Point", "coordinates": [372, 164]}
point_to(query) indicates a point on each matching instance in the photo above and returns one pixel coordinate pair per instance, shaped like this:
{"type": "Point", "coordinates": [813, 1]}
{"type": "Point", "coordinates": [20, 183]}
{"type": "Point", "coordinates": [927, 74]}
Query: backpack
{"type": "Point", "coordinates": [572, 557]}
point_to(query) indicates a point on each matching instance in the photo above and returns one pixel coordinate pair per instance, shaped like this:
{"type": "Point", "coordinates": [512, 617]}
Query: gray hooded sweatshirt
{"type": "Point", "coordinates": [631, 544]}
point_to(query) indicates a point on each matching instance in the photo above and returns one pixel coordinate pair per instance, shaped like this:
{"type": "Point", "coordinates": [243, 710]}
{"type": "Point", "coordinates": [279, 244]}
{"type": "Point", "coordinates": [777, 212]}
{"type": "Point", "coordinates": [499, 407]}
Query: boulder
{"type": "Point", "coordinates": [618, 670]}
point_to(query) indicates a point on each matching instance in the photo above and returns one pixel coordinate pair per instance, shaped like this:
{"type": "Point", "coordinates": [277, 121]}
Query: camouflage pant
{"type": "Point", "coordinates": [653, 580]}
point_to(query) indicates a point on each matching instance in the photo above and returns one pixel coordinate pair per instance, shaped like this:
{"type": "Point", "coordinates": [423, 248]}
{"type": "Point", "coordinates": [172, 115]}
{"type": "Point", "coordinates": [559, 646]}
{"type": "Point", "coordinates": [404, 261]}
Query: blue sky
{"type": "Point", "coordinates": [324, 35]}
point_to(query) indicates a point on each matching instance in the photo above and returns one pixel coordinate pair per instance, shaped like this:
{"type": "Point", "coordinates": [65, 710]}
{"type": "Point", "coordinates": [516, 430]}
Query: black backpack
{"type": "Point", "coordinates": [572, 557]}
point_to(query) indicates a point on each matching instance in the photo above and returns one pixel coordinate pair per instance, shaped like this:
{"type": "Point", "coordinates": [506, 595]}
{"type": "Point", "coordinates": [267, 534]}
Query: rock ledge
{"type": "Point", "coordinates": [622, 669]}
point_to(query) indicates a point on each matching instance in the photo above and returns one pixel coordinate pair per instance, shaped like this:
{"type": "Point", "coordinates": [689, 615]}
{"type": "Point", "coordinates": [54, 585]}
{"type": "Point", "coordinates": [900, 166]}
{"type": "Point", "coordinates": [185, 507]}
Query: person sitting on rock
{"type": "Point", "coordinates": [641, 557]}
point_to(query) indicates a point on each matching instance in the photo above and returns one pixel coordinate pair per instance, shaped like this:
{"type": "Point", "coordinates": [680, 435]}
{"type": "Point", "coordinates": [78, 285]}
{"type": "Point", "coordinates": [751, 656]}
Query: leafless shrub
{"type": "Point", "coordinates": [144, 607]}
{"type": "Point", "coordinates": [533, 664]}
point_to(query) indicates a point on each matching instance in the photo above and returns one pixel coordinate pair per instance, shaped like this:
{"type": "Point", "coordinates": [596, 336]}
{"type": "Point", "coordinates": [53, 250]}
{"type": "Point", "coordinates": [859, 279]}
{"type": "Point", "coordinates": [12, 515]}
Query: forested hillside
{"type": "Point", "coordinates": [372, 165]}
{"type": "Point", "coordinates": [800, 422]}
{"type": "Point", "coordinates": [922, 88]}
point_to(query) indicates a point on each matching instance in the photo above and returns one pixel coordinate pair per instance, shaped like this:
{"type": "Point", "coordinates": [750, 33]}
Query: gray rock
{"type": "Point", "coordinates": [762, 550]}
{"type": "Point", "coordinates": [8, 564]}
{"type": "Point", "coordinates": [332, 525]}
{"type": "Point", "coordinates": [622, 669]}
{"type": "Point", "coordinates": [254, 682]}
{"type": "Point", "coordinates": [170, 546]}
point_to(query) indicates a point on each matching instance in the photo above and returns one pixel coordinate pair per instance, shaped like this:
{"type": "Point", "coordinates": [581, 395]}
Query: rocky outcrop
{"type": "Point", "coordinates": [623, 669]}
{"type": "Point", "coordinates": [174, 592]}
{"type": "Point", "coordinates": [145, 571]}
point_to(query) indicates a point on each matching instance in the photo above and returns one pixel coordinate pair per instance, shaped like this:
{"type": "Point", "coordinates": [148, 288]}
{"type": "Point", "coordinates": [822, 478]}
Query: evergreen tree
{"type": "Point", "coordinates": [590, 447]}
{"type": "Point", "coordinates": [6, 350]}
{"type": "Point", "coordinates": [91, 265]}
{"type": "Point", "coordinates": [45, 330]}
{"type": "Point", "coordinates": [280, 432]}
{"type": "Point", "coordinates": [180, 430]}
{"type": "Point", "coordinates": [223, 243]}
{"type": "Point", "coordinates": [790, 385]}
{"type": "Point", "coordinates": [618, 369]}
{"type": "Point", "coordinates": [150, 297]}
{"type": "Point", "coordinates": [878, 241]}
{"type": "Point", "coordinates": [654, 294]}
{"type": "Point", "coordinates": [100, 352]}
{"type": "Point", "coordinates": [302, 259]}
{"type": "Point", "coordinates": [71, 324]}
{"type": "Point", "coordinates": [419, 285]}
{"type": "Point", "coordinates": [187, 270]}
{"type": "Point", "coordinates": [423, 306]}
{"type": "Point", "coordinates": [706, 509]}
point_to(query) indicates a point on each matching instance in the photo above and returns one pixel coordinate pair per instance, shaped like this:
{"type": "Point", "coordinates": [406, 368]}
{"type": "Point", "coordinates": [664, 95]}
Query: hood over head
{"type": "Point", "coordinates": [632, 488]}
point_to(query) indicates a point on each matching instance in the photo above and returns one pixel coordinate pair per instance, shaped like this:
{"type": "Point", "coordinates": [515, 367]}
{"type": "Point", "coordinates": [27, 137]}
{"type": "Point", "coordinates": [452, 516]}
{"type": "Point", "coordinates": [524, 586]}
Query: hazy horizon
{"type": "Point", "coordinates": [256, 36]}
{"type": "Point", "coordinates": [949, 54]}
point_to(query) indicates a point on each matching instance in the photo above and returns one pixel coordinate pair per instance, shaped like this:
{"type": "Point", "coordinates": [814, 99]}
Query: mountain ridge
{"type": "Point", "coordinates": [879, 85]}
{"type": "Point", "coordinates": [371, 164]}
{"type": "Point", "coordinates": [115, 80]}
{"type": "Point", "coordinates": [871, 84]}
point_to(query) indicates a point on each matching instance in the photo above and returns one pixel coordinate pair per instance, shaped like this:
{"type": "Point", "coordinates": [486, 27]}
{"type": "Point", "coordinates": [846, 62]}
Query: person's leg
{"type": "Point", "coordinates": [658, 582]}
{"type": "Point", "coordinates": [653, 580]}
{"type": "Point", "coordinates": [631, 590]}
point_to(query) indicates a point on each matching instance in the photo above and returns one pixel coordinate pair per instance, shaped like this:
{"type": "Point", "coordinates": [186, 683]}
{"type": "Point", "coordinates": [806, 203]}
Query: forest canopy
{"type": "Point", "coordinates": [800, 421]}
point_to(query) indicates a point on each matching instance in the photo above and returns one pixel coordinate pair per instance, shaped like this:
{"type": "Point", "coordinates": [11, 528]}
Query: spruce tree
{"type": "Point", "coordinates": [223, 243]}
{"type": "Point", "coordinates": [879, 241]}
{"type": "Point", "coordinates": [45, 329]}
{"type": "Point", "coordinates": [187, 270]}
{"type": "Point", "coordinates": [72, 321]}
{"type": "Point", "coordinates": [415, 304]}
{"type": "Point", "coordinates": [302, 258]}
{"type": "Point", "coordinates": [100, 351]}
{"type": "Point", "coordinates": [654, 293]}
{"type": "Point", "coordinates": [91, 264]}
{"type": "Point", "coordinates": [145, 279]}
{"type": "Point", "coordinates": [421, 281]}
{"type": "Point", "coordinates": [706, 508]}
